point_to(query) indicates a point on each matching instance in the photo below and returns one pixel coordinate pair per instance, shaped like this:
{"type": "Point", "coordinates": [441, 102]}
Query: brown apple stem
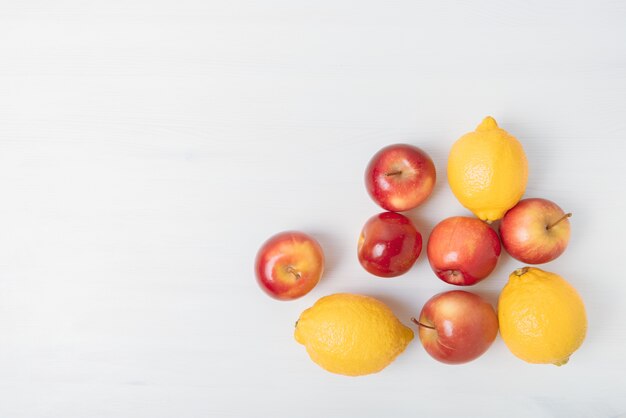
{"type": "Point", "coordinates": [415, 321]}
{"type": "Point", "coordinates": [393, 173]}
{"type": "Point", "coordinates": [293, 271]}
{"type": "Point", "coordinates": [567, 215]}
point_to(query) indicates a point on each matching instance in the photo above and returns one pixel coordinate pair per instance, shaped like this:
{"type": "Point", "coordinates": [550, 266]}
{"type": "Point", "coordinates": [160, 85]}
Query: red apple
{"type": "Point", "coordinates": [400, 177]}
{"type": "Point", "coordinates": [289, 265]}
{"type": "Point", "coordinates": [389, 244]}
{"type": "Point", "coordinates": [535, 231]}
{"type": "Point", "coordinates": [462, 250]}
{"type": "Point", "coordinates": [457, 326]}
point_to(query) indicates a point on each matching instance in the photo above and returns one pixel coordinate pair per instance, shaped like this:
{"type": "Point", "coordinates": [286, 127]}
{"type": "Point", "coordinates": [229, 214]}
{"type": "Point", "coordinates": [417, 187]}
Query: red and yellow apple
{"type": "Point", "coordinates": [457, 326]}
{"type": "Point", "coordinates": [400, 177]}
{"type": "Point", "coordinates": [462, 250]}
{"type": "Point", "coordinates": [535, 231]}
{"type": "Point", "coordinates": [289, 264]}
{"type": "Point", "coordinates": [389, 244]}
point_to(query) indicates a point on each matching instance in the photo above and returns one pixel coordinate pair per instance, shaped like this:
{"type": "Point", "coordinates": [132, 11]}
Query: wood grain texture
{"type": "Point", "coordinates": [147, 148]}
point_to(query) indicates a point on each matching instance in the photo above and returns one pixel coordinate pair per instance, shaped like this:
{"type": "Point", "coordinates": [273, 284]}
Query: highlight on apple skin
{"type": "Point", "coordinates": [289, 265]}
{"type": "Point", "coordinates": [400, 177]}
{"type": "Point", "coordinates": [535, 231]}
{"type": "Point", "coordinates": [463, 251]}
{"type": "Point", "coordinates": [389, 244]}
{"type": "Point", "coordinates": [457, 326]}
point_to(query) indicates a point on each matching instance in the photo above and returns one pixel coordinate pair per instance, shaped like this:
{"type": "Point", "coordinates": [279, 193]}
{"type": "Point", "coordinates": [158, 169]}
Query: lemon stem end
{"type": "Point", "coordinates": [561, 362]}
{"type": "Point", "coordinates": [521, 272]}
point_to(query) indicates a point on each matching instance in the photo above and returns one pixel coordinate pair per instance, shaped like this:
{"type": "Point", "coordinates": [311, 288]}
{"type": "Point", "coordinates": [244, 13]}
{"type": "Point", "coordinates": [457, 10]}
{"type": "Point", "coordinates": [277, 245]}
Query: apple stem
{"type": "Point", "coordinates": [394, 173]}
{"type": "Point", "coordinates": [293, 271]}
{"type": "Point", "coordinates": [415, 321]}
{"type": "Point", "coordinates": [567, 215]}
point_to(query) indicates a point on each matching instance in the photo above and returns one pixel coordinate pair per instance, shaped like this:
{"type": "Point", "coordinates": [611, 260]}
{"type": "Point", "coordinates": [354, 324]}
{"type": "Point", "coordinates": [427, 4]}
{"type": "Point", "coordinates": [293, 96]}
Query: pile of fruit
{"type": "Point", "coordinates": [540, 316]}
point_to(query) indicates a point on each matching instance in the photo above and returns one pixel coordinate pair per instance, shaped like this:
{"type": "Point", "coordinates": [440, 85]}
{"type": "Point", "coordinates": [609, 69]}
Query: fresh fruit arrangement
{"type": "Point", "coordinates": [540, 316]}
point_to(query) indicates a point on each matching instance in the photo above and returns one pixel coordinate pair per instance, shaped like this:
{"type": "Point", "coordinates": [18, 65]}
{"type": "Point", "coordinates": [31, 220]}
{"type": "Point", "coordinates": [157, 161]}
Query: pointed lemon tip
{"type": "Point", "coordinates": [409, 334]}
{"type": "Point", "coordinates": [487, 124]}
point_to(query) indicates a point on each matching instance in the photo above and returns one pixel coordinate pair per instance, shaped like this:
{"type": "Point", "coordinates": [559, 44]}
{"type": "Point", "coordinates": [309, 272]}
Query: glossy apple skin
{"type": "Point", "coordinates": [525, 234]}
{"type": "Point", "coordinates": [465, 326]}
{"type": "Point", "coordinates": [289, 264]}
{"type": "Point", "coordinates": [462, 250]}
{"type": "Point", "coordinates": [389, 244]}
{"type": "Point", "coordinates": [400, 177]}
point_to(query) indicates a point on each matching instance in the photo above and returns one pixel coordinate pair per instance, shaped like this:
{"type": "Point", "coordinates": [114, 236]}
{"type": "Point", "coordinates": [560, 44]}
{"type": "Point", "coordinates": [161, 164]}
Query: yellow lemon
{"type": "Point", "coordinates": [542, 318]}
{"type": "Point", "coordinates": [488, 170]}
{"type": "Point", "coordinates": [351, 334]}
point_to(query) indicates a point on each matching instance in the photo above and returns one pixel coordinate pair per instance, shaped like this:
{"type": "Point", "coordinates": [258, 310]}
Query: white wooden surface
{"type": "Point", "coordinates": [147, 148]}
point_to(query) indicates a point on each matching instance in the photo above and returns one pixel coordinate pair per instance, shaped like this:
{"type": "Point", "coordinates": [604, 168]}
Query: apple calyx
{"type": "Point", "coordinates": [293, 271]}
{"type": "Point", "coordinates": [453, 276]}
{"type": "Point", "coordinates": [552, 225]}
{"type": "Point", "coordinates": [418, 323]}
{"type": "Point", "coordinates": [521, 272]}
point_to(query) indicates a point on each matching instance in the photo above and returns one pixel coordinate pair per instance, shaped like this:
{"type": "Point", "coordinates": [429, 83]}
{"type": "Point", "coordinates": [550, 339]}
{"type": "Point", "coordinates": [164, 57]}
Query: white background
{"type": "Point", "coordinates": [148, 148]}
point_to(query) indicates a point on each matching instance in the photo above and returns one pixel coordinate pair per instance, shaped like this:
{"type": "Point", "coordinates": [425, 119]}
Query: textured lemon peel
{"type": "Point", "coordinates": [351, 334]}
{"type": "Point", "coordinates": [488, 170]}
{"type": "Point", "coordinates": [542, 317]}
